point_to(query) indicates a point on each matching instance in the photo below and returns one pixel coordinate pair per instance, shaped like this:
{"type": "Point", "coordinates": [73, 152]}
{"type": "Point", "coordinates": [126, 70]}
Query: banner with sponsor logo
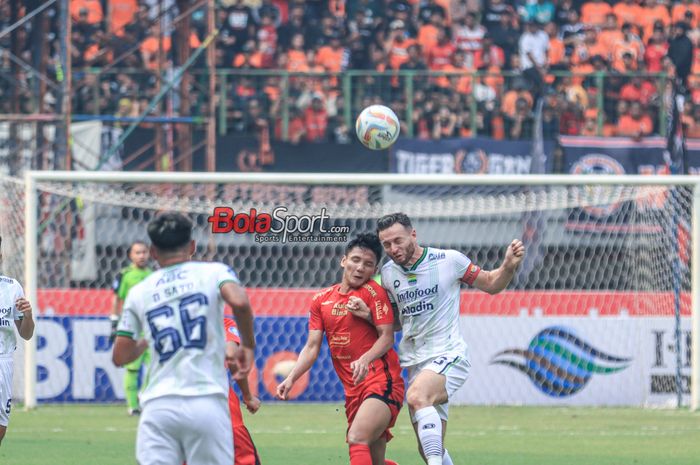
{"type": "Point", "coordinates": [479, 155]}
{"type": "Point", "coordinates": [591, 361]}
{"type": "Point", "coordinates": [622, 155]}
{"type": "Point", "coordinates": [526, 347]}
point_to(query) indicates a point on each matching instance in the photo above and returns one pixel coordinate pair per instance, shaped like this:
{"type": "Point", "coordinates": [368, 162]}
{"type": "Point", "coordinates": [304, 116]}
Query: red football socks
{"type": "Point", "coordinates": [359, 454]}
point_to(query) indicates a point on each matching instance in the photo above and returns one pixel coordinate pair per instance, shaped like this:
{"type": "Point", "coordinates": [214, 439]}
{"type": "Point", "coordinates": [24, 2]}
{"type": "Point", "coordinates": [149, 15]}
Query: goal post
{"type": "Point", "coordinates": [600, 283]}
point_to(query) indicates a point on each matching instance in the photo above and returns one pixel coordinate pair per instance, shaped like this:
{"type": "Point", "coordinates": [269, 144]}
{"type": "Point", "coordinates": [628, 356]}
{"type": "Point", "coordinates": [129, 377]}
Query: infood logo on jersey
{"type": "Point", "coordinates": [278, 226]}
{"type": "Point", "coordinates": [412, 294]}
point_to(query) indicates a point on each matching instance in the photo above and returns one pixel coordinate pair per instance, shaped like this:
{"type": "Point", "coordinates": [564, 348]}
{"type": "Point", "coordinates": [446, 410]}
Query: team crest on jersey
{"type": "Point", "coordinates": [233, 330]}
{"type": "Point", "coordinates": [412, 279]}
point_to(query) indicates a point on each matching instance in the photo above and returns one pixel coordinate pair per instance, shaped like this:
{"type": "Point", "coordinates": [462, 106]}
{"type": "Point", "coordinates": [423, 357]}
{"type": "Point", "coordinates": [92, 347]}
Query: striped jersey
{"type": "Point", "coordinates": [180, 311]}
{"type": "Point", "coordinates": [426, 297]}
{"type": "Point", "coordinates": [10, 291]}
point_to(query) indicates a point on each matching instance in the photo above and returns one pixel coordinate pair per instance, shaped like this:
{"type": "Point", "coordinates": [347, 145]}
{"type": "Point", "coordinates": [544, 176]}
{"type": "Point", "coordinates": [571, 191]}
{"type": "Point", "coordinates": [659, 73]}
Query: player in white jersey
{"type": "Point", "coordinates": [16, 311]}
{"type": "Point", "coordinates": [423, 284]}
{"type": "Point", "coordinates": [180, 310]}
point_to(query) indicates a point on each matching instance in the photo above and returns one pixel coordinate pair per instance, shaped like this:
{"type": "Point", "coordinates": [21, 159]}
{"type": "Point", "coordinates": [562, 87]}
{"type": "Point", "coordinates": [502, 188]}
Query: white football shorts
{"type": "Point", "coordinates": [6, 367]}
{"type": "Point", "coordinates": [175, 429]}
{"type": "Point", "coordinates": [454, 366]}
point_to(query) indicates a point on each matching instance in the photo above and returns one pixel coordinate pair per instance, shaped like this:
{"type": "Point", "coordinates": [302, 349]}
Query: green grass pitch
{"type": "Point", "coordinates": [310, 434]}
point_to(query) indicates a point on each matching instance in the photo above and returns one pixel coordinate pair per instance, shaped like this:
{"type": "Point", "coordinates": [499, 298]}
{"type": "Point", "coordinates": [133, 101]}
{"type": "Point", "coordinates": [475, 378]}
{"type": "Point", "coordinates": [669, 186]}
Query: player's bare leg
{"type": "Point", "coordinates": [426, 391]}
{"type": "Point", "coordinates": [370, 422]}
{"type": "Point", "coordinates": [378, 451]}
{"type": "Point", "coordinates": [3, 430]}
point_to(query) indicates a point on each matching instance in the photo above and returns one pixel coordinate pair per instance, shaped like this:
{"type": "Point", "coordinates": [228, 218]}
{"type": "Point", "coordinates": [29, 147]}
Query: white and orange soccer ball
{"type": "Point", "coordinates": [377, 127]}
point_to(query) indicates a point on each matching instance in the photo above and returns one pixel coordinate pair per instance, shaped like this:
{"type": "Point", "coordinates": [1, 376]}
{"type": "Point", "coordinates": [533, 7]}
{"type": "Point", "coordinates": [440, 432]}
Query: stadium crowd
{"type": "Point", "coordinates": [519, 50]}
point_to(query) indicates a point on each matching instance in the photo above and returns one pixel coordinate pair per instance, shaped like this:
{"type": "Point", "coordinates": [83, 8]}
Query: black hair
{"type": "Point", "coordinates": [170, 231]}
{"type": "Point", "coordinates": [367, 241]}
{"type": "Point", "coordinates": [131, 246]}
{"type": "Point", "coordinates": [387, 221]}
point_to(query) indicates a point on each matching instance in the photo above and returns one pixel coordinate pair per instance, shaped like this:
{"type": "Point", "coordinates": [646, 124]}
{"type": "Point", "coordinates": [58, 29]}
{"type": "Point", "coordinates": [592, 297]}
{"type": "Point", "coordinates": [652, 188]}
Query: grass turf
{"type": "Point", "coordinates": [310, 434]}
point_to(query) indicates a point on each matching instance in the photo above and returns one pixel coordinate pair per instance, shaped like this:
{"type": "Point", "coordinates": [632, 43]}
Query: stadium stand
{"type": "Point", "coordinates": [596, 61]}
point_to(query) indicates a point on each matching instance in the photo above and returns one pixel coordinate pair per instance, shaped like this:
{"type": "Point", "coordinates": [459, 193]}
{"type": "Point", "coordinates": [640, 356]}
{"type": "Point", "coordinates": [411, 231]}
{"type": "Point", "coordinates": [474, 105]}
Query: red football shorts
{"type": "Point", "coordinates": [244, 451]}
{"type": "Point", "coordinates": [393, 398]}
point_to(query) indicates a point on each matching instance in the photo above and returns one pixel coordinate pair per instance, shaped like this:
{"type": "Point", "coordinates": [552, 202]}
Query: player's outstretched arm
{"type": "Point", "coordinates": [384, 342]}
{"type": "Point", "coordinates": [236, 297]}
{"type": "Point", "coordinates": [307, 357]}
{"type": "Point", "coordinates": [496, 280]}
{"type": "Point", "coordinates": [26, 325]}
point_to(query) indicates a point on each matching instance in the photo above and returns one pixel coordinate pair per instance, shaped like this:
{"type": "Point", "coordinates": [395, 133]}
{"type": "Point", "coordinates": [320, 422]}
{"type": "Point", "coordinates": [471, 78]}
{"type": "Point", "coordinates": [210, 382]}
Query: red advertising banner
{"type": "Point", "coordinates": [295, 302]}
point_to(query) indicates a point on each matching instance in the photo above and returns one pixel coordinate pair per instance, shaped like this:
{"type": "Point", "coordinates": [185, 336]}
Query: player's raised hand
{"type": "Point", "coordinates": [514, 254]}
{"type": "Point", "coordinates": [360, 368]}
{"type": "Point", "coordinates": [359, 308]}
{"type": "Point", "coordinates": [284, 388]}
{"type": "Point", "coordinates": [252, 403]}
{"type": "Point", "coordinates": [23, 306]}
{"type": "Point", "coordinates": [243, 358]}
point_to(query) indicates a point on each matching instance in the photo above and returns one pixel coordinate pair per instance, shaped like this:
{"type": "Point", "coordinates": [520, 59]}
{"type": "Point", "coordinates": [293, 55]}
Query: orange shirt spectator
{"type": "Point", "coordinates": [590, 47]}
{"type": "Point", "coordinates": [93, 7]}
{"type": "Point", "coordinates": [316, 121]}
{"type": "Point", "coordinates": [510, 99]}
{"type": "Point", "coordinates": [638, 91]}
{"type": "Point", "coordinates": [630, 44]}
{"type": "Point", "coordinates": [440, 56]}
{"type": "Point", "coordinates": [331, 58]}
{"type": "Point", "coordinates": [493, 78]}
{"type": "Point", "coordinates": [611, 33]}
{"type": "Point", "coordinates": [556, 52]}
{"type": "Point", "coordinates": [427, 37]}
{"type": "Point", "coordinates": [149, 50]}
{"type": "Point", "coordinates": [398, 53]}
{"type": "Point", "coordinates": [594, 12]}
{"type": "Point", "coordinates": [634, 124]}
{"type": "Point", "coordinates": [121, 13]}
{"type": "Point", "coordinates": [249, 58]}
{"type": "Point", "coordinates": [650, 14]}
{"type": "Point", "coordinates": [679, 10]}
{"type": "Point", "coordinates": [628, 11]}
{"type": "Point", "coordinates": [296, 61]}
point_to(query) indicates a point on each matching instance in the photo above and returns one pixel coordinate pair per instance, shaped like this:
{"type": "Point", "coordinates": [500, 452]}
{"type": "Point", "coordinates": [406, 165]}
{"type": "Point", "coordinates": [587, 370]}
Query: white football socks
{"type": "Point", "coordinates": [430, 434]}
{"type": "Point", "coordinates": [446, 459]}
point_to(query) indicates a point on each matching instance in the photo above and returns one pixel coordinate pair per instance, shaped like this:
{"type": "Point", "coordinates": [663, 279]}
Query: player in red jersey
{"type": "Point", "coordinates": [362, 352]}
{"type": "Point", "coordinates": [244, 452]}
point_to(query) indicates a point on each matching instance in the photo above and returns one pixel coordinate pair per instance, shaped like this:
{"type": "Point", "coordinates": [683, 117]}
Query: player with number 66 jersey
{"type": "Point", "coordinates": [179, 308]}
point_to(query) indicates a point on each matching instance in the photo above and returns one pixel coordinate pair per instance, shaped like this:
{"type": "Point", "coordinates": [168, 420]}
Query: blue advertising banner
{"type": "Point", "coordinates": [622, 155]}
{"type": "Point", "coordinates": [74, 361]}
{"type": "Point", "coordinates": [479, 155]}
{"type": "Point", "coordinates": [618, 209]}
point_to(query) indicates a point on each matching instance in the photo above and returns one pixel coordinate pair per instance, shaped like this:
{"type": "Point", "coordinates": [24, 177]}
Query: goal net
{"type": "Point", "coordinates": [589, 319]}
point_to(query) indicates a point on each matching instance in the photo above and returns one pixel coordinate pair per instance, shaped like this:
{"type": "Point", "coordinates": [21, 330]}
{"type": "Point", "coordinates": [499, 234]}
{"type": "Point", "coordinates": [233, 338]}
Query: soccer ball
{"type": "Point", "coordinates": [377, 127]}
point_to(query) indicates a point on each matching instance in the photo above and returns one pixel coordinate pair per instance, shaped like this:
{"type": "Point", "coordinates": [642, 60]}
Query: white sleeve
{"type": "Point", "coordinates": [18, 294]}
{"type": "Point", "coordinates": [130, 324]}
{"type": "Point", "coordinates": [226, 274]}
{"type": "Point", "coordinates": [459, 263]}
